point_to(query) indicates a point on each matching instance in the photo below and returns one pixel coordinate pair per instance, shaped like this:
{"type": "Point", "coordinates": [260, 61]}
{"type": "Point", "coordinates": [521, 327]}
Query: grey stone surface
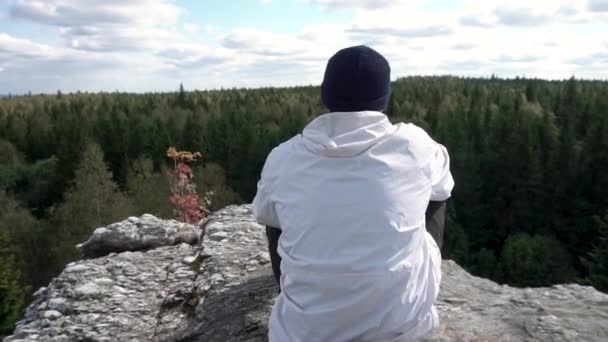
{"type": "Point", "coordinates": [138, 233]}
{"type": "Point", "coordinates": [224, 290]}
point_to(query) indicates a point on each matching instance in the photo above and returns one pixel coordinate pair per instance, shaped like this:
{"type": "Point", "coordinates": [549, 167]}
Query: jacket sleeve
{"type": "Point", "coordinates": [263, 206]}
{"type": "Point", "coordinates": [441, 178]}
{"type": "Point", "coordinates": [435, 162]}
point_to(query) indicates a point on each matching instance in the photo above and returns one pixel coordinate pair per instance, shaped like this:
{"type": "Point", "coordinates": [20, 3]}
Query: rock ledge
{"type": "Point", "coordinates": [147, 282]}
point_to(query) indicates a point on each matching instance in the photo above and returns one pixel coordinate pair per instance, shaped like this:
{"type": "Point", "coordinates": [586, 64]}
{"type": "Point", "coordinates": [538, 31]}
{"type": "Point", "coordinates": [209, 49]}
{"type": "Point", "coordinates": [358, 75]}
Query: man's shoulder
{"type": "Point", "coordinates": [413, 134]}
{"type": "Point", "coordinates": [419, 143]}
{"type": "Point", "coordinates": [282, 151]}
{"type": "Point", "coordinates": [287, 145]}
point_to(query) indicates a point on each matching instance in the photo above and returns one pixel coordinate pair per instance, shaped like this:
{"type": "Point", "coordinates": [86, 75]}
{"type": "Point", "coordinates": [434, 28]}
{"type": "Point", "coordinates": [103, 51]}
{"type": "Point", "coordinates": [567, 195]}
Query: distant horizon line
{"type": "Point", "coordinates": [175, 90]}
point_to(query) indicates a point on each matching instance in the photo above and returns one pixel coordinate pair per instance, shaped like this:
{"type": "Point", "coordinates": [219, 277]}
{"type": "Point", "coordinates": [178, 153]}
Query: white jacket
{"type": "Point", "coordinates": [350, 194]}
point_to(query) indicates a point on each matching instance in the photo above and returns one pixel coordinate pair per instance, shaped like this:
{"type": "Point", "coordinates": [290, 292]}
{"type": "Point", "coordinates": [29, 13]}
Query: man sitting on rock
{"type": "Point", "coordinates": [345, 205]}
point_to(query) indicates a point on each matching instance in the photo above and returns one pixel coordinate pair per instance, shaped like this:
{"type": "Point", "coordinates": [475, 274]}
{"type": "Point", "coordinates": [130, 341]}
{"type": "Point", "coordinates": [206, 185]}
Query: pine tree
{"type": "Point", "coordinates": [27, 239]}
{"type": "Point", "coordinates": [531, 92]}
{"type": "Point", "coordinates": [181, 97]}
{"type": "Point", "coordinates": [9, 154]}
{"type": "Point", "coordinates": [535, 261]}
{"type": "Point", "coordinates": [192, 136]}
{"type": "Point", "coordinates": [211, 182]}
{"type": "Point", "coordinates": [149, 191]}
{"type": "Point", "coordinates": [484, 263]}
{"type": "Point", "coordinates": [598, 263]}
{"type": "Point", "coordinates": [92, 201]}
{"type": "Point", "coordinates": [11, 293]}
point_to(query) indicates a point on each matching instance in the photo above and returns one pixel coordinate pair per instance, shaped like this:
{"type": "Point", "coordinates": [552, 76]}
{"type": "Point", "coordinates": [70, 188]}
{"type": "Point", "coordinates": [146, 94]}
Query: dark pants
{"type": "Point", "coordinates": [435, 225]}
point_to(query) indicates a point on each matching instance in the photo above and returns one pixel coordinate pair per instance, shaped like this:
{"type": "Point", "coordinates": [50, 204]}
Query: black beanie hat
{"type": "Point", "coordinates": [357, 78]}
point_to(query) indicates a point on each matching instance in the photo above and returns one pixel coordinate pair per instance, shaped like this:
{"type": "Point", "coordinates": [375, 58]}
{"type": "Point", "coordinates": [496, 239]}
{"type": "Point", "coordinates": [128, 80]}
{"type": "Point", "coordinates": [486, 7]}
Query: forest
{"type": "Point", "coordinates": [529, 157]}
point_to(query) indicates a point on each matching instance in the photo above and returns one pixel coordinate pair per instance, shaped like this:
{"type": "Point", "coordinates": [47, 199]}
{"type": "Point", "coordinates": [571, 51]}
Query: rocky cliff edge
{"type": "Point", "coordinates": [147, 279]}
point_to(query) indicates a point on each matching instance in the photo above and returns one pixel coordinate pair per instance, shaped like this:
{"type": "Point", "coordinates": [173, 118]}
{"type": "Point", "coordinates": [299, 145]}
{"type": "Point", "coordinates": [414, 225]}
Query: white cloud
{"type": "Point", "coordinates": [326, 33]}
{"type": "Point", "coordinates": [527, 58]}
{"type": "Point", "coordinates": [463, 46]}
{"type": "Point", "coordinates": [477, 20]}
{"type": "Point", "coordinates": [522, 13]}
{"type": "Point", "coordinates": [192, 28]}
{"type": "Point", "coordinates": [23, 48]}
{"type": "Point", "coordinates": [520, 16]}
{"type": "Point", "coordinates": [112, 39]}
{"type": "Point", "coordinates": [365, 4]}
{"type": "Point", "coordinates": [82, 13]}
{"type": "Point", "coordinates": [153, 45]}
{"type": "Point", "coordinates": [103, 42]}
{"type": "Point", "coordinates": [464, 65]}
{"type": "Point", "coordinates": [412, 32]}
{"type": "Point", "coordinates": [598, 58]}
{"type": "Point", "coordinates": [264, 42]}
{"type": "Point", "coordinates": [598, 5]}
{"type": "Point", "coordinates": [31, 66]}
{"type": "Point", "coordinates": [105, 25]}
{"type": "Point", "coordinates": [189, 56]}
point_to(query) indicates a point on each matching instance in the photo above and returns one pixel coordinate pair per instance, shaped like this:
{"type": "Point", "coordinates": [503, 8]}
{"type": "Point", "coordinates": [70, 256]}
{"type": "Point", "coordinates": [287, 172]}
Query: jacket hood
{"type": "Point", "coordinates": [346, 134]}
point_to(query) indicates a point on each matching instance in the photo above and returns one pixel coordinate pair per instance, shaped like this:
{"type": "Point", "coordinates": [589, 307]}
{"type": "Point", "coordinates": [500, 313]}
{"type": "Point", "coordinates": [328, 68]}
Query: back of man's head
{"type": "Point", "coordinates": [357, 78]}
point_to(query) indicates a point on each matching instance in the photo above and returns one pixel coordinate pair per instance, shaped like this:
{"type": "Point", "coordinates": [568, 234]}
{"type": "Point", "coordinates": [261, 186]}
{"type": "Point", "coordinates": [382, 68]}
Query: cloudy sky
{"type": "Point", "coordinates": [153, 45]}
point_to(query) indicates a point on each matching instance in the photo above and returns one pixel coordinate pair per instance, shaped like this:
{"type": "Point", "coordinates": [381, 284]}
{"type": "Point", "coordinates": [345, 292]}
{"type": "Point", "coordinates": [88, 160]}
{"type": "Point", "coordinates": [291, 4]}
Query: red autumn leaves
{"type": "Point", "coordinates": [188, 207]}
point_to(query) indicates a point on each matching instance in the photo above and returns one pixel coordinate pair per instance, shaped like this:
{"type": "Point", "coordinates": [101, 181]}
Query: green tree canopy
{"type": "Point", "coordinates": [149, 190]}
{"type": "Point", "coordinates": [598, 263]}
{"type": "Point", "coordinates": [536, 261]}
{"type": "Point", "coordinates": [11, 293]}
{"type": "Point", "coordinates": [92, 201]}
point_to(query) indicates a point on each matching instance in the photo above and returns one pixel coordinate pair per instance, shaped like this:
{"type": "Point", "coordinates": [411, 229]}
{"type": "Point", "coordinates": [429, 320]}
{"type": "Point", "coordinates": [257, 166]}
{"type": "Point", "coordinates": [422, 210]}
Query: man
{"type": "Point", "coordinates": [348, 197]}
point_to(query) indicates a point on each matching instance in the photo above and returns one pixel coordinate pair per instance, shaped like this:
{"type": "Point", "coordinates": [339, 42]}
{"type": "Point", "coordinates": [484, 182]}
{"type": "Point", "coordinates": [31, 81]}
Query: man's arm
{"type": "Point", "coordinates": [273, 235]}
{"type": "Point", "coordinates": [435, 220]}
{"type": "Point", "coordinates": [264, 211]}
{"type": "Point", "coordinates": [263, 206]}
{"type": "Point", "coordinates": [442, 185]}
